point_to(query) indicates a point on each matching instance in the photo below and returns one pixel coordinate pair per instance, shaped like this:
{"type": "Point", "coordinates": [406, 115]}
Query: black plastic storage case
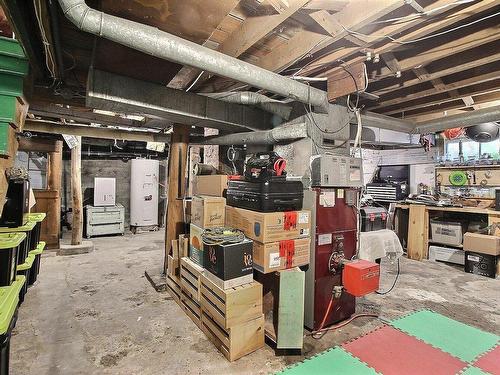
{"type": "Point", "coordinates": [274, 195]}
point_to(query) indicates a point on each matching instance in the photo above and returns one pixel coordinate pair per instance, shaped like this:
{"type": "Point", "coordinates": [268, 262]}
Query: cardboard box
{"type": "Point", "coordinates": [208, 212]}
{"type": "Point", "coordinates": [270, 227]}
{"type": "Point", "coordinates": [482, 243]}
{"type": "Point", "coordinates": [196, 245]}
{"type": "Point", "coordinates": [213, 185]}
{"type": "Point", "coordinates": [229, 261]}
{"type": "Point", "coordinates": [281, 255]}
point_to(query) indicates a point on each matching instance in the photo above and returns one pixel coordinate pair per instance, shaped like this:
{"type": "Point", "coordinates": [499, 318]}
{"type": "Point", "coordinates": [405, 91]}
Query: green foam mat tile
{"type": "Point", "coordinates": [332, 361]}
{"type": "Point", "coordinates": [458, 339]}
{"type": "Point", "coordinates": [473, 371]}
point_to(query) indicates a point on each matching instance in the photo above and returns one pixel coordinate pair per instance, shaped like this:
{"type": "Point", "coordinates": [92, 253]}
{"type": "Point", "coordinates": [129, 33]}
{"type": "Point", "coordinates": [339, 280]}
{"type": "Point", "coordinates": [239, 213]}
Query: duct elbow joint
{"type": "Point", "coordinates": [82, 16]}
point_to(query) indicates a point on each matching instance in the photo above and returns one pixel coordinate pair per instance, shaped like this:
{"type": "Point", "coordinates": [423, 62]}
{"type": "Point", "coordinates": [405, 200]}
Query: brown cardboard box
{"type": "Point", "coordinates": [482, 243]}
{"type": "Point", "coordinates": [270, 257]}
{"type": "Point", "coordinates": [213, 185]}
{"type": "Point", "coordinates": [208, 212]}
{"type": "Point", "coordinates": [271, 226]}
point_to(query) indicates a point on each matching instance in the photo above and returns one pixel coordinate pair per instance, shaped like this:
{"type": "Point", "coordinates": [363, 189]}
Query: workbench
{"type": "Point", "coordinates": [418, 224]}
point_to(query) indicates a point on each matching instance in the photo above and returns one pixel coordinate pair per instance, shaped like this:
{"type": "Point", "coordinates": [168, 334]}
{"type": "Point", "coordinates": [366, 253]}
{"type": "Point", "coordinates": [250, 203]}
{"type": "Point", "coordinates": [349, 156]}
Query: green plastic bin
{"type": "Point", "coordinates": [35, 270]}
{"type": "Point", "coordinates": [29, 242]}
{"type": "Point", "coordinates": [9, 249]}
{"type": "Point", "coordinates": [24, 270]}
{"type": "Point", "coordinates": [9, 302]}
{"type": "Point", "coordinates": [37, 218]}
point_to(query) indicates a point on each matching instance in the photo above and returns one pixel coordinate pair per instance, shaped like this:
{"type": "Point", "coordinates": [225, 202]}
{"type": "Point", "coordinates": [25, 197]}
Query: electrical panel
{"type": "Point", "coordinates": [336, 171]}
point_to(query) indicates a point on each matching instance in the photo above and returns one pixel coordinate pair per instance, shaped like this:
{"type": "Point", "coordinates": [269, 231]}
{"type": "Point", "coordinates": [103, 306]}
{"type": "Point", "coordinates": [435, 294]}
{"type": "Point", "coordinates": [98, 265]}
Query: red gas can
{"type": "Point", "coordinates": [361, 277]}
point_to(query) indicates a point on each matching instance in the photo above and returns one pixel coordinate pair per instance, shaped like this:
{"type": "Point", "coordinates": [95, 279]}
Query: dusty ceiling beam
{"type": "Point", "coordinates": [125, 95]}
{"type": "Point", "coordinates": [468, 60]}
{"type": "Point", "coordinates": [252, 30]}
{"type": "Point", "coordinates": [52, 127]}
{"type": "Point", "coordinates": [331, 5]}
{"type": "Point", "coordinates": [279, 5]}
{"type": "Point", "coordinates": [416, 32]}
{"type": "Point", "coordinates": [439, 87]}
{"type": "Point", "coordinates": [466, 119]}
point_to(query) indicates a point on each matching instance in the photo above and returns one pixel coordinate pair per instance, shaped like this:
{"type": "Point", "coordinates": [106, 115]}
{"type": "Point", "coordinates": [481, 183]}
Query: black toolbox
{"type": "Point", "coordinates": [275, 195]}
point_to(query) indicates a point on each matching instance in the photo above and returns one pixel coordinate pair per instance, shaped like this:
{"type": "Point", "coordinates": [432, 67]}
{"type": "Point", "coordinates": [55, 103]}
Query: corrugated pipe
{"type": "Point", "coordinates": [276, 107]}
{"type": "Point", "coordinates": [161, 44]}
{"type": "Point", "coordinates": [274, 136]}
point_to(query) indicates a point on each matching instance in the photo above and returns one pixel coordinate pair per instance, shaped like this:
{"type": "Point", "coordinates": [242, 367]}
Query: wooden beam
{"type": "Point", "coordinates": [417, 32]}
{"type": "Point", "coordinates": [344, 83]}
{"type": "Point", "coordinates": [76, 193]}
{"type": "Point", "coordinates": [439, 87]}
{"type": "Point", "coordinates": [391, 62]}
{"type": "Point", "coordinates": [252, 30]}
{"type": "Point", "coordinates": [330, 5]}
{"type": "Point", "coordinates": [51, 127]}
{"type": "Point", "coordinates": [279, 5]}
{"type": "Point", "coordinates": [37, 145]}
{"type": "Point", "coordinates": [176, 186]}
{"type": "Point", "coordinates": [458, 64]}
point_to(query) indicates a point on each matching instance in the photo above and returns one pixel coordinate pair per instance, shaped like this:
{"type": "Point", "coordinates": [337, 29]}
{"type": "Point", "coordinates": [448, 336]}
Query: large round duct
{"type": "Point", "coordinates": [484, 132]}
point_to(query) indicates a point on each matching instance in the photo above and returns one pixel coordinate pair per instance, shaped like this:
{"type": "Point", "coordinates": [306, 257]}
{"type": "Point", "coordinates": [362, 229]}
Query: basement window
{"type": "Point", "coordinates": [36, 164]}
{"type": "Point", "coordinates": [471, 150]}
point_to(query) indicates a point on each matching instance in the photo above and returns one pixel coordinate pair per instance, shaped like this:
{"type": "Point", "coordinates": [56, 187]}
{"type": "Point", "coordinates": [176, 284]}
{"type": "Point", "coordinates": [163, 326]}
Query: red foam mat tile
{"type": "Point", "coordinates": [490, 362]}
{"type": "Point", "coordinates": [389, 351]}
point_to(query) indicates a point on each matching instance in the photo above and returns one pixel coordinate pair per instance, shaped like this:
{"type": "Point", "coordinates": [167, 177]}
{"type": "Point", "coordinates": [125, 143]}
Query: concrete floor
{"type": "Point", "coordinates": [97, 314]}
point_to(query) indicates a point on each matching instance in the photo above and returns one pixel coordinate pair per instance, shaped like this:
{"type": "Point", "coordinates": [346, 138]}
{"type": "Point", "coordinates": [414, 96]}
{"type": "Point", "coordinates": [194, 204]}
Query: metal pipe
{"type": "Point", "coordinates": [465, 120]}
{"type": "Point", "coordinates": [273, 106]}
{"type": "Point", "coordinates": [161, 44]}
{"type": "Point", "coordinates": [264, 137]}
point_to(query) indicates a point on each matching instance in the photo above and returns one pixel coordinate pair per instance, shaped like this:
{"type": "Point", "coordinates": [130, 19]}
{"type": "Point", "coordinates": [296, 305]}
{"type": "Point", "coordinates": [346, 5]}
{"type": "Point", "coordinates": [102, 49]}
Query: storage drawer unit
{"type": "Point", "coordinates": [232, 306]}
{"type": "Point", "coordinates": [100, 221]}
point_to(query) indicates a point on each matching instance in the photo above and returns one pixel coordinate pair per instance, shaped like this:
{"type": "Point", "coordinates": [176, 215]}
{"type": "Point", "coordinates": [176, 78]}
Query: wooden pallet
{"type": "Point", "coordinates": [190, 278]}
{"type": "Point", "coordinates": [237, 341]}
{"type": "Point", "coordinates": [191, 307]}
{"type": "Point", "coordinates": [174, 288]}
{"type": "Point", "coordinates": [232, 306]}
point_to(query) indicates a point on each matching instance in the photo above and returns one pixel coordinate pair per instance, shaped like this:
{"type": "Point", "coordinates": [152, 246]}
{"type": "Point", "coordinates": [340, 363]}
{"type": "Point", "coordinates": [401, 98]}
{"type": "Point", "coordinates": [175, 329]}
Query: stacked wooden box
{"type": "Point", "coordinates": [231, 318]}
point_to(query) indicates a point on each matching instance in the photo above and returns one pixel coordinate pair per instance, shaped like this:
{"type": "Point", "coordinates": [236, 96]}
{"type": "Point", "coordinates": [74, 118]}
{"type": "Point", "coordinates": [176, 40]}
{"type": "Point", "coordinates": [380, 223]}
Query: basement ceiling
{"type": "Point", "coordinates": [424, 58]}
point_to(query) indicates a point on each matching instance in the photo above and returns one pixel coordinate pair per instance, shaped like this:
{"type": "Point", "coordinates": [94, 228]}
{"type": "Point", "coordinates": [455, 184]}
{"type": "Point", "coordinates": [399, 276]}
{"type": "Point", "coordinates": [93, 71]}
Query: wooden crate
{"type": "Point", "coordinates": [191, 307]}
{"type": "Point", "coordinates": [174, 288]}
{"type": "Point", "coordinates": [190, 278]}
{"type": "Point", "coordinates": [232, 306]}
{"type": "Point", "coordinates": [237, 341]}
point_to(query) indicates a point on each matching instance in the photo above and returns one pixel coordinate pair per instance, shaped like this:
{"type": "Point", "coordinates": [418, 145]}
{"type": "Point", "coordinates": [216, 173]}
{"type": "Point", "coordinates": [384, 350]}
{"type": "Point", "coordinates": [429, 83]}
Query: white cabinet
{"type": "Point", "coordinates": [101, 221]}
{"type": "Point", "coordinates": [104, 191]}
{"type": "Point", "coordinates": [144, 192]}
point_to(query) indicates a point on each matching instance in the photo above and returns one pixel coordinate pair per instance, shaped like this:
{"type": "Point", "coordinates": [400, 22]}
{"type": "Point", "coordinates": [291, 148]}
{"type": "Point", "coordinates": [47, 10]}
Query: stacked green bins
{"type": "Point", "coordinates": [37, 218]}
{"type": "Point", "coordinates": [13, 68]}
{"type": "Point", "coordinates": [24, 270]}
{"type": "Point", "coordinates": [9, 249]}
{"type": "Point", "coordinates": [9, 301]}
{"type": "Point", "coordinates": [28, 244]}
{"type": "Point", "coordinates": [35, 270]}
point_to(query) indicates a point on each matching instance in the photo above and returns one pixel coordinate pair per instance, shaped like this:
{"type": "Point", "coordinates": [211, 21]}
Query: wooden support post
{"type": "Point", "coordinates": [418, 232]}
{"type": "Point", "coordinates": [76, 193]}
{"type": "Point", "coordinates": [176, 186]}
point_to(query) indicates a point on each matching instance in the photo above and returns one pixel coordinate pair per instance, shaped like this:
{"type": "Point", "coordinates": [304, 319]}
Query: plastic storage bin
{"type": "Point", "coordinates": [9, 302]}
{"type": "Point", "coordinates": [24, 270]}
{"type": "Point", "coordinates": [35, 270]}
{"type": "Point", "coordinates": [28, 244]}
{"type": "Point", "coordinates": [37, 218]}
{"type": "Point", "coordinates": [447, 232]}
{"type": "Point", "coordinates": [9, 249]}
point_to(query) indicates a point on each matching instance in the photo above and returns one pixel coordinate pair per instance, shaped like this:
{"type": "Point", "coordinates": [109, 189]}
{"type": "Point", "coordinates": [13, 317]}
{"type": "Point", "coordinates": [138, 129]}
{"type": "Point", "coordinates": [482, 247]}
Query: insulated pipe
{"type": "Point", "coordinates": [263, 137]}
{"type": "Point", "coordinates": [275, 107]}
{"type": "Point", "coordinates": [161, 44]}
{"type": "Point", "coordinates": [476, 117]}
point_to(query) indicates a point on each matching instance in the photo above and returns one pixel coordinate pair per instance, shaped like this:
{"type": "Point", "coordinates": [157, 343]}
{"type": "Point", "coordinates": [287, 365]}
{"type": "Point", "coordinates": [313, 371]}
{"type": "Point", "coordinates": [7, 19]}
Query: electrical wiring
{"type": "Point", "coordinates": [393, 284]}
{"type": "Point", "coordinates": [219, 236]}
{"type": "Point", "coordinates": [195, 81]}
{"type": "Point", "coordinates": [395, 40]}
{"type": "Point", "coordinates": [412, 17]}
{"type": "Point", "coordinates": [49, 59]}
{"type": "Point", "coordinates": [343, 324]}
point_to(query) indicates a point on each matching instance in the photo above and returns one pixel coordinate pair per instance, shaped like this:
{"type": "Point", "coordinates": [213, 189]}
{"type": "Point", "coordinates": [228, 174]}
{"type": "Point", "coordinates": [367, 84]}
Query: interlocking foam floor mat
{"type": "Point", "coordinates": [423, 342]}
